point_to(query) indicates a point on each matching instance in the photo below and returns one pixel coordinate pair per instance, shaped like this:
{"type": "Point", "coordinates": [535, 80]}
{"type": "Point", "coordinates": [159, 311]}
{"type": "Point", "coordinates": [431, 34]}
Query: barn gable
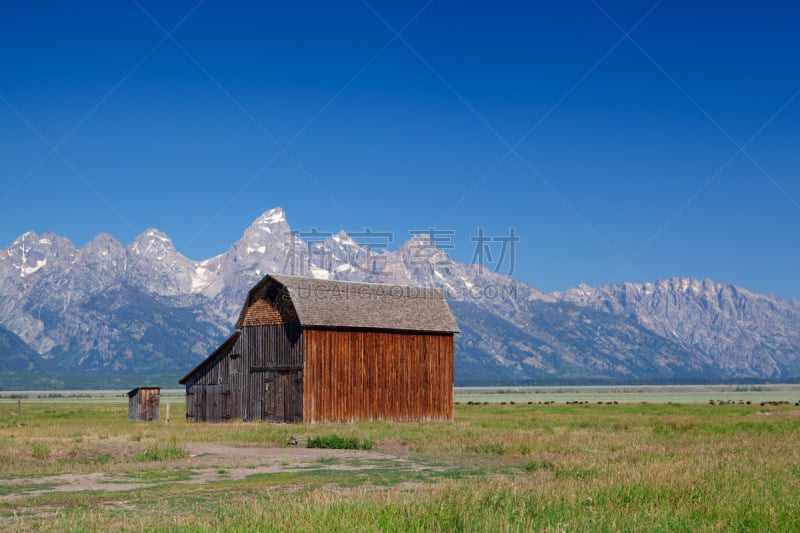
{"type": "Point", "coordinates": [318, 351]}
{"type": "Point", "coordinates": [268, 302]}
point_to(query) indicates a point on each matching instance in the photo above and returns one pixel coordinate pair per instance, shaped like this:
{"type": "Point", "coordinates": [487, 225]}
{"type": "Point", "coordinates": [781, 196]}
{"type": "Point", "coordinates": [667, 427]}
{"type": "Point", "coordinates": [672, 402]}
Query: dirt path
{"type": "Point", "coordinates": [206, 463]}
{"type": "Point", "coordinates": [211, 454]}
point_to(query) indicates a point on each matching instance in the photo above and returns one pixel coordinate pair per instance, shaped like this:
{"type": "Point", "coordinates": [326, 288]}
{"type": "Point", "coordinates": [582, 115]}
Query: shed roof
{"type": "Point", "coordinates": [132, 392]}
{"type": "Point", "coordinates": [342, 304]}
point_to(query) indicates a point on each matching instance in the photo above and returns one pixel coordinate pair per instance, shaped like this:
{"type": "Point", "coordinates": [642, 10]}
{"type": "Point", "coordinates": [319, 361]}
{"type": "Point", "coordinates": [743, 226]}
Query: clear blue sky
{"type": "Point", "coordinates": [621, 140]}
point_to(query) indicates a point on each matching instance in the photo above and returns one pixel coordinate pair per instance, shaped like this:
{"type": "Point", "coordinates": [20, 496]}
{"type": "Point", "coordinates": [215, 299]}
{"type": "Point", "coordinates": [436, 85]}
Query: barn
{"type": "Point", "coordinates": [309, 350]}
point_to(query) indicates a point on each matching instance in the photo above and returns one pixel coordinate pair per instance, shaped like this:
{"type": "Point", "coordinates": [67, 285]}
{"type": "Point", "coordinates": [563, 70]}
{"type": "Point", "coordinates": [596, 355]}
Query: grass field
{"type": "Point", "coordinates": [81, 465]}
{"type": "Point", "coordinates": [558, 394]}
{"type": "Point", "coordinates": [632, 394]}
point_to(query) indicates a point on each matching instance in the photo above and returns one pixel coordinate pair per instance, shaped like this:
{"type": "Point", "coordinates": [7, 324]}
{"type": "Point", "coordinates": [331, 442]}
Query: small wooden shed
{"type": "Point", "coordinates": [143, 403]}
{"type": "Point", "coordinates": [309, 350]}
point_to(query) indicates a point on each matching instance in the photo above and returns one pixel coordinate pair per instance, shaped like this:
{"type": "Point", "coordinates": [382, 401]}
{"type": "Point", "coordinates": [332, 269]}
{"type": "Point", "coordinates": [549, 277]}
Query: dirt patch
{"type": "Point", "coordinates": [212, 454]}
{"type": "Point", "coordinates": [210, 462]}
{"type": "Point", "coordinates": [392, 446]}
{"type": "Point", "coordinates": [63, 483]}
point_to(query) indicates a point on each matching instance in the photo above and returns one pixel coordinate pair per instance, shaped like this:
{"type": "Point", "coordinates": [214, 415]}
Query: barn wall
{"type": "Point", "coordinates": [215, 395]}
{"type": "Point", "coordinates": [273, 384]}
{"type": "Point", "coordinates": [361, 375]}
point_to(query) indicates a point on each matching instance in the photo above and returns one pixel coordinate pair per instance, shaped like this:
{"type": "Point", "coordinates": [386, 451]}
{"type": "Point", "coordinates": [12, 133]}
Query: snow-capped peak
{"type": "Point", "coordinates": [273, 216]}
{"type": "Point", "coordinates": [153, 245]}
{"type": "Point", "coordinates": [26, 239]}
{"type": "Point", "coordinates": [151, 240]}
{"type": "Point", "coordinates": [343, 239]}
{"type": "Point", "coordinates": [155, 234]}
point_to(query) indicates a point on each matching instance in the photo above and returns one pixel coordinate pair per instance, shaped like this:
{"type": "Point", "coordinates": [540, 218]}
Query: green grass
{"type": "Point", "coordinates": [23, 488]}
{"type": "Point", "coordinates": [535, 466]}
{"type": "Point", "coordinates": [162, 452]}
{"type": "Point", "coordinates": [337, 442]}
{"type": "Point", "coordinates": [629, 467]}
{"type": "Point", "coordinates": [162, 476]}
{"type": "Point", "coordinates": [41, 451]}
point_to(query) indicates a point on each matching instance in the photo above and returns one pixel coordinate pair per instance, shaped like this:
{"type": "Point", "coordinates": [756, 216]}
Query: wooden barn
{"type": "Point", "coordinates": [144, 404]}
{"type": "Point", "coordinates": [308, 350]}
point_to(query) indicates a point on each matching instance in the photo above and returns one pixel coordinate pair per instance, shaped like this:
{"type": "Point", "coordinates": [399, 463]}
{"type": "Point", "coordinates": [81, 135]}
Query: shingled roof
{"type": "Point", "coordinates": [341, 304]}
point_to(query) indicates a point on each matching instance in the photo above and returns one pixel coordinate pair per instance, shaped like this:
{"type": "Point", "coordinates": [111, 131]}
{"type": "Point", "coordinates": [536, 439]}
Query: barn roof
{"type": "Point", "coordinates": [342, 304]}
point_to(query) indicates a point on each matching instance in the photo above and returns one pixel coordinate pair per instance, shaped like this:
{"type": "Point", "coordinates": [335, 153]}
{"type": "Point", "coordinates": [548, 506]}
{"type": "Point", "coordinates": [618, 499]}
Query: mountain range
{"type": "Point", "coordinates": [113, 315]}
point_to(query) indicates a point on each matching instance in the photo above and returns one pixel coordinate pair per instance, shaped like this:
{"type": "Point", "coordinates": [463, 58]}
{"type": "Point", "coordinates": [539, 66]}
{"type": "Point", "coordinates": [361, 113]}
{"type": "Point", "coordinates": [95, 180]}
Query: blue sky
{"type": "Point", "coordinates": [620, 140]}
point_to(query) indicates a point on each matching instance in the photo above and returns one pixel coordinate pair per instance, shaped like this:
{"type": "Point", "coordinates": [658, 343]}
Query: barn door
{"type": "Point", "coordinates": [270, 393]}
{"type": "Point", "coordinates": [297, 396]}
{"type": "Point", "coordinates": [280, 397]}
{"type": "Point", "coordinates": [283, 396]}
{"type": "Point", "coordinates": [213, 403]}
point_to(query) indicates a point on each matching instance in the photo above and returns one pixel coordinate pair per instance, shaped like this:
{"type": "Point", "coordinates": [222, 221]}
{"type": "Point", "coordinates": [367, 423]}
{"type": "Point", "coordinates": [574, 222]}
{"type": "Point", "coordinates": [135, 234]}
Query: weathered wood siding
{"type": "Point", "coordinates": [273, 385]}
{"type": "Point", "coordinates": [375, 375]}
{"type": "Point", "coordinates": [215, 395]}
{"type": "Point", "coordinates": [144, 404]}
{"type": "Point", "coordinates": [268, 304]}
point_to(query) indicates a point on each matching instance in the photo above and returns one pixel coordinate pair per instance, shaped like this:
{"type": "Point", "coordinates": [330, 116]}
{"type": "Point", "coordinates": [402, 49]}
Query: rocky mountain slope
{"type": "Point", "coordinates": [147, 312]}
{"type": "Point", "coordinates": [745, 334]}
